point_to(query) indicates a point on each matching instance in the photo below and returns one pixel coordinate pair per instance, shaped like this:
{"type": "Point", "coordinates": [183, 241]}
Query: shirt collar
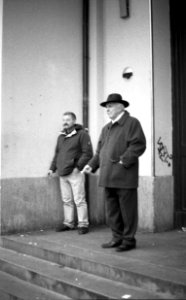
{"type": "Point", "coordinates": [73, 132]}
{"type": "Point", "coordinates": [118, 117]}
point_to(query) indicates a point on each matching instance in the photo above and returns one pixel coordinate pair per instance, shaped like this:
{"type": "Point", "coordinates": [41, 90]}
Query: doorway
{"type": "Point", "coordinates": [178, 41]}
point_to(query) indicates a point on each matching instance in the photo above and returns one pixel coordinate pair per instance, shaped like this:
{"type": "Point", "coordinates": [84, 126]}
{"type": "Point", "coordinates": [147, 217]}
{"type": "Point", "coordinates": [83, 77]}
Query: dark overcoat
{"type": "Point", "coordinates": [121, 141]}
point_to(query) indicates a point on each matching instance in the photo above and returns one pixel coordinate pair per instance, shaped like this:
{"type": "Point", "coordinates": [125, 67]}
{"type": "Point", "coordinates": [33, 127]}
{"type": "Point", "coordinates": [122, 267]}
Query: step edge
{"type": "Point", "coordinates": [28, 285]}
{"type": "Point", "coordinates": [138, 273]}
{"type": "Point", "coordinates": [89, 290]}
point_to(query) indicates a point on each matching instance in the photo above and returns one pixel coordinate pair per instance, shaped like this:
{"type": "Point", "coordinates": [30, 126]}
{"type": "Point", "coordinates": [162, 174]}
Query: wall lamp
{"type": "Point", "coordinates": [127, 73]}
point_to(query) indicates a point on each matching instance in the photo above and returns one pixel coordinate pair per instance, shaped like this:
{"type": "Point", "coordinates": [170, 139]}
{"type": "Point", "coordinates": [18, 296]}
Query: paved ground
{"type": "Point", "coordinates": [167, 249]}
{"type": "Point", "coordinates": [158, 264]}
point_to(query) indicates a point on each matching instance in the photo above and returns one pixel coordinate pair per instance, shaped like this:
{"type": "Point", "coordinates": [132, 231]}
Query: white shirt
{"type": "Point", "coordinates": [118, 117]}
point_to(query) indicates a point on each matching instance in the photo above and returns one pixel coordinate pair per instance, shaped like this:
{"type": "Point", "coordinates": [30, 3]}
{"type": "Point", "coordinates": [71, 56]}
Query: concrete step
{"type": "Point", "coordinates": [66, 281]}
{"type": "Point", "coordinates": [168, 283]}
{"type": "Point", "coordinates": [14, 288]}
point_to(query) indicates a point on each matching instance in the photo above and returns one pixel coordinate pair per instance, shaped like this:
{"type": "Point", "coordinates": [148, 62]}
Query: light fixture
{"type": "Point", "coordinates": [127, 73]}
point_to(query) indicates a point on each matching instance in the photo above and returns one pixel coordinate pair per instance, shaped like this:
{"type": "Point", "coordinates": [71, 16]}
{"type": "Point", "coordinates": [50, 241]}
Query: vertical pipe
{"type": "Point", "coordinates": [86, 79]}
{"type": "Point", "coordinates": [152, 87]}
{"type": "Point", "coordinates": [85, 62]}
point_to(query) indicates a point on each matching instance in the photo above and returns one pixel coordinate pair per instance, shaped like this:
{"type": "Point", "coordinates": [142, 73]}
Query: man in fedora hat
{"type": "Point", "coordinates": [120, 144]}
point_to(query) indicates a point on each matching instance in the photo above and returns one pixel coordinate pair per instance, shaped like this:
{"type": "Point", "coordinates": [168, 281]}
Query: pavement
{"type": "Point", "coordinates": [167, 249]}
{"type": "Point", "coordinates": [161, 257]}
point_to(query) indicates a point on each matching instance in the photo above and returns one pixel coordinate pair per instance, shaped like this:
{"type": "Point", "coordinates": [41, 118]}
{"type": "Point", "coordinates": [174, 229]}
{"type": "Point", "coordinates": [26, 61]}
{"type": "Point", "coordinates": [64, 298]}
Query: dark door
{"type": "Point", "coordinates": [178, 37]}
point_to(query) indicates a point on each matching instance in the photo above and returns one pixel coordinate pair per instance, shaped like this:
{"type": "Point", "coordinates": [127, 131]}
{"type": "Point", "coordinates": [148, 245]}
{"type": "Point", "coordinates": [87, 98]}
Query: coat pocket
{"type": "Point", "coordinates": [68, 166]}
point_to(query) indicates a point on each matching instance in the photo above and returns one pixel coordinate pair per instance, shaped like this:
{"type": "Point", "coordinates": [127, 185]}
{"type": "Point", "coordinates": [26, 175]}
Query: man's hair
{"type": "Point", "coordinates": [69, 113]}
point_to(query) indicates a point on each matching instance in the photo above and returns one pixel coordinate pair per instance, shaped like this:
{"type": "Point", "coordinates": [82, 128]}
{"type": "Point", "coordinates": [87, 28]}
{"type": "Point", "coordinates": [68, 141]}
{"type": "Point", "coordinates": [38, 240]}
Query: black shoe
{"type": "Point", "coordinates": [83, 230]}
{"type": "Point", "coordinates": [122, 248]}
{"type": "Point", "coordinates": [111, 244]}
{"type": "Point", "coordinates": [63, 227]}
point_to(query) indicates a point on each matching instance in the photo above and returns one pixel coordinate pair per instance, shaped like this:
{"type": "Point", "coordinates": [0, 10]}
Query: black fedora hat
{"type": "Point", "coordinates": [115, 98]}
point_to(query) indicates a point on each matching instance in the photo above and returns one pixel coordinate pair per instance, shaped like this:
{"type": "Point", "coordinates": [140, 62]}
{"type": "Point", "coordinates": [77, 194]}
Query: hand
{"type": "Point", "coordinates": [87, 169]}
{"type": "Point", "coordinates": [120, 162]}
{"type": "Point", "coordinates": [50, 172]}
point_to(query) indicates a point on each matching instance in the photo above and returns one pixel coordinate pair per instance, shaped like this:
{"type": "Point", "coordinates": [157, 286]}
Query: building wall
{"type": "Point", "coordinates": [1, 25]}
{"type": "Point", "coordinates": [42, 57]}
{"type": "Point", "coordinates": [127, 43]}
{"type": "Point", "coordinates": [41, 79]}
{"type": "Point", "coordinates": [115, 44]}
{"type": "Point", "coordinates": [141, 42]}
{"type": "Point", "coordinates": [164, 183]}
{"type": "Point", "coordinates": [162, 86]}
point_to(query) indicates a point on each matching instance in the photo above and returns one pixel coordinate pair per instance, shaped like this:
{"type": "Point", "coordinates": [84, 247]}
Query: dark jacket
{"type": "Point", "coordinates": [72, 151]}
{"type": "Point", "coordinates": [125, 141]}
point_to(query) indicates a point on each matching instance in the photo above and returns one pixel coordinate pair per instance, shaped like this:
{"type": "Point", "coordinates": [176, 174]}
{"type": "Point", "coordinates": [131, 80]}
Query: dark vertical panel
{"type": "Point", "coordinates": [178, 40]}
{"type": "Point", "coordinates": [86, 80]}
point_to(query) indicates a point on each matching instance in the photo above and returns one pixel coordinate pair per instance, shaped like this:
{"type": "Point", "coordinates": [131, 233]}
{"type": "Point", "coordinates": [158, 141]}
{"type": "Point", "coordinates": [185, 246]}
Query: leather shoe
{"type": "Point", "coordinates": [122, 248]}
{"type": "Point", "coordinates": [63, 227]}
{"type": "Point", "coordinates": [83, 230]}
{"type": "Point", "coordinates": [111, 244]}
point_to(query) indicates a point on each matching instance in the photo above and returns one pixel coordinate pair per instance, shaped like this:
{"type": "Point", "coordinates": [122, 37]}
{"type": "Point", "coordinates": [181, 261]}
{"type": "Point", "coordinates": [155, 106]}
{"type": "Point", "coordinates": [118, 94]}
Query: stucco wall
{"type": "Point", "coordinates": [115, 44]}
{"type": "Point", "coordinates": [141, 42]}
{"type": "Point", "coordinates": [1, 26]}
{"type": "Point", "coordinates": [42, 78]}
{"type": "Point", "coordinates": [42, 57]}
{"type": "Point", "coordinates": [1, 21]}
{"type": "Point", "coordinates": [164, 181]}
{"type": "Point", "coordinates": [119, 43]}
{"type": "Point", "coordinates": [162, 87]}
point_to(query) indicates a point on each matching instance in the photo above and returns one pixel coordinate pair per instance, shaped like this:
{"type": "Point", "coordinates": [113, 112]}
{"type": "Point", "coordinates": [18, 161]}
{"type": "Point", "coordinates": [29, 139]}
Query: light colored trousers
{"type": "Point", "coordinates": [73, 192]}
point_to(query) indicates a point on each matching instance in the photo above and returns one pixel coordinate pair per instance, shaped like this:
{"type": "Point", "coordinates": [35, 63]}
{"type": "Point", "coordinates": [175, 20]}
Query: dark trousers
{"type": "Point", "coordinates": [122, 213]}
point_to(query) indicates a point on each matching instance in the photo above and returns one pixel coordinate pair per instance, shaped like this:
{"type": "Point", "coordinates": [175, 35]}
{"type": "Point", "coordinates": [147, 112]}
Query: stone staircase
{"type": "Point", "coordinates": [50, 266]}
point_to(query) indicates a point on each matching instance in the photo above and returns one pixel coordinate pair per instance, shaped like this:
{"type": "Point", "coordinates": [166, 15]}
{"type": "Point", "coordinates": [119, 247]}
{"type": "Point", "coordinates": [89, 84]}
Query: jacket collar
{"type": "Point", "coordinates": [73, 132]}
{"type": "Point", "coordinates": [121, 121]}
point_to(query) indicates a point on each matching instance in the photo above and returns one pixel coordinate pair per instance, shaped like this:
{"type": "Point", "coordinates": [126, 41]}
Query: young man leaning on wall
{"type": "Point", "coordinates": [72, 152]}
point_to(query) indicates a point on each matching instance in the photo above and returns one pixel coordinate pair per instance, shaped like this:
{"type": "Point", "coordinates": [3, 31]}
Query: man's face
{"type": "Point", "coordinates": [114, 109]}
{"type": "Point", "coordinates": [68, 121]}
